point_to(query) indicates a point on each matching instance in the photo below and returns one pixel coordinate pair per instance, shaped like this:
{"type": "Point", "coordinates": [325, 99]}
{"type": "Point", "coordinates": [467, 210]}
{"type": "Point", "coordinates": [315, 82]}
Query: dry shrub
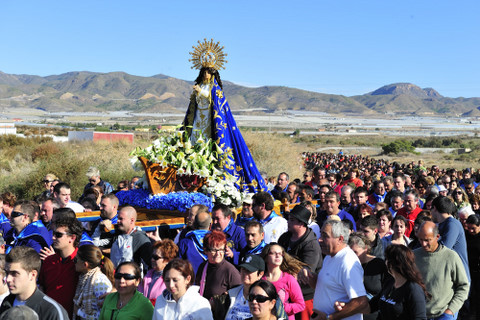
{"type": "Point", "coordinates": [274, 153]}
{"type": "Point", "coordinates": [68, 161]}
{"type": "Point", "coordinates": [44, 151]}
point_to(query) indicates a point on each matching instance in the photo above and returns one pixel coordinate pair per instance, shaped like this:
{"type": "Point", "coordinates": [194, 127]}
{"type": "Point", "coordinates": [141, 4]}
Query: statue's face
{"type": "Point", "coordinates": [207, 76]}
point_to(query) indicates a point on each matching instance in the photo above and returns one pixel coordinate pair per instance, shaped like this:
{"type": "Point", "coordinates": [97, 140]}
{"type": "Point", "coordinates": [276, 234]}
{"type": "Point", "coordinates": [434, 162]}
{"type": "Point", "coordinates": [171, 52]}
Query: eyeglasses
{"type": "Point", "coordinates": [155, 257]}
{"type": "Point", "coordinates": [92, 180]}
{"type": "Point", "coordinates": [57, 234]}
{"type": "Point", "coordinates": [213, 250]}
{"type": "Point", "coordinates": [457, 193]}
{"type": "Point", "coordinates": [15, 214]}
{"type": "Point", "coordinates": [259, 298]}
{"type": "Point", "coordinates": [275, 253]}
{"type": "Point", "coordinates": [126, 276]}
{"type": "Point", "coordinates": [47, 181]}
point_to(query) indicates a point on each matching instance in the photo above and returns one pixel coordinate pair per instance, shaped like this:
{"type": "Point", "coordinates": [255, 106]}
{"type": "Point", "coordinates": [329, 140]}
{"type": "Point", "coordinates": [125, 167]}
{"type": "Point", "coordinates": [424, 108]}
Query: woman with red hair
{"type": "Point", "coordinates": [216, 275]}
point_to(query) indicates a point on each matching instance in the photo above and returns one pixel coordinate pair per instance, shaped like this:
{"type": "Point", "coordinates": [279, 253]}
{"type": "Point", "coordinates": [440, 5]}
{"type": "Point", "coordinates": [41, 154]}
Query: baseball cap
{"type": "Point", "coordinates": [253, 263]}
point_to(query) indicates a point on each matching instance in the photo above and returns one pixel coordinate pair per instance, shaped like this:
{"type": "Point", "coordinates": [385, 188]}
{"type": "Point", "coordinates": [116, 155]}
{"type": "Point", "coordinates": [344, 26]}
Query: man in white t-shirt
{"type": "Point", "coordinates": [273, 225]}
{"type": "Point", "coordinates": [341, 278]}
{"type": "Point", "coordinates": [61, 194]}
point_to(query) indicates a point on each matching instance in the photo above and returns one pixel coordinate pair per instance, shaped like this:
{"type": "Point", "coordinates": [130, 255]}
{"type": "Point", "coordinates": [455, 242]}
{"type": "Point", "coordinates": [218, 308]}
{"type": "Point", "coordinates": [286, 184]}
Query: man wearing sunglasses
{"type": "Point", "coordinates": [58, 278]}
{"type": "Point", "coordinates": [24, 232]}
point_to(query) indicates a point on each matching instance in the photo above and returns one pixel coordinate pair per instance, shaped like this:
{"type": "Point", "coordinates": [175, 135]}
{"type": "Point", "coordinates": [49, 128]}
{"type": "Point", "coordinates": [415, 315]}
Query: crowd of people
{"type": "Point", "coordinates": [354, 237]}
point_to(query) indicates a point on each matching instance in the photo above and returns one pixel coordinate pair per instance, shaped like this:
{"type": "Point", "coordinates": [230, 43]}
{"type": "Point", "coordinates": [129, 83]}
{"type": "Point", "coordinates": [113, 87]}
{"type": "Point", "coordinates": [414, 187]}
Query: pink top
{"type": "Point", "coordinates": [290, 293]}
{"type": "Point", "coordinates": [157, 288]}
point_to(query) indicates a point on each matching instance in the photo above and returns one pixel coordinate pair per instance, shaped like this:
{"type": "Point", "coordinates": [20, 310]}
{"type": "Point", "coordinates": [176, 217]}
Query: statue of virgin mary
{"type": "Point", "coordinates": [209, 114]}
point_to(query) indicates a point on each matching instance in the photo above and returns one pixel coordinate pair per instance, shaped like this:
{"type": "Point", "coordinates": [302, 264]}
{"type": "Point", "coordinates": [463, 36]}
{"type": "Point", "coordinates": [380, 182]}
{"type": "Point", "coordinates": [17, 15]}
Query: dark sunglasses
{"type": "Point", "coordinates": [47, 181]}
{"type": "Point", "coordinates": [60, 234]}
{"type": "Point", "coordinates": [15, 214]}
{"type": "Point", "coordinates": [259, 298]}
{"type": "Point", "coordinates": [155, 257]}
{"type": "Point", "coordinates": [126, 276]}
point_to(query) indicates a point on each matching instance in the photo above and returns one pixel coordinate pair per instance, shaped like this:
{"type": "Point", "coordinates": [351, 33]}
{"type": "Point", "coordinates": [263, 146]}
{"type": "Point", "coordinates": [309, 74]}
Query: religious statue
{"type": "Point", "coordinates": [209, 114]}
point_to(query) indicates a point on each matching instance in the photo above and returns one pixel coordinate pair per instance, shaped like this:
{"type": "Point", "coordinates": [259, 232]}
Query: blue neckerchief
{"type": "Point", "coordinates": [115, 219]}
{"type": "Point", "coordinates": [38, 224]}
{"type": "Point", "coordinates": [230, 224]}
{"type": "Point", "coordinates": [380, 198]}
{"type": "Point", "coordinates": [85, 239]}
{"type": "Point", "coordinates": [393, 212]}
{"type": "Point", "coordinates": [197, 237]}
{"type": "Point", "coordinates": [257, 249]}
{"type": "Point", "coordinates": [242, 221]}
{"type": "Point", "coordinates": [3, 218]}
{"type": "Point", "coordinates": [28, 231]}
{"type": "Point", "coordinates": [267, 219]}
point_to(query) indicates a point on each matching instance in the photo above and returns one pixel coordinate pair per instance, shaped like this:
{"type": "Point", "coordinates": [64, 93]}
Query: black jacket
{"type": "Point", "coordinates": [306, 249]}
{"type": "Point", "coordinates": [377, 248]}
{"type": "Point", "coordinates": [43, 305]}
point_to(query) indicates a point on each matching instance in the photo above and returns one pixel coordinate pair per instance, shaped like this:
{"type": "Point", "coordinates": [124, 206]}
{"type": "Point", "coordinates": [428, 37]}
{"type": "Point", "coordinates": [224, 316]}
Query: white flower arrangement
{"type": "Point", "coordinates": [205, 159]}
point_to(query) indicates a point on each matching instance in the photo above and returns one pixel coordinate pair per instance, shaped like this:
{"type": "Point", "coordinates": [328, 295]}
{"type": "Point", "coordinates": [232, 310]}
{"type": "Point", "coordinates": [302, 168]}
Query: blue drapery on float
{"type": "Point", "coordinates": [228, 136]}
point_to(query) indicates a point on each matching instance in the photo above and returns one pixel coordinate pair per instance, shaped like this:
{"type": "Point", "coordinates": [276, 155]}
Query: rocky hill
{"type": "Point", "coordinates": [91, 91]}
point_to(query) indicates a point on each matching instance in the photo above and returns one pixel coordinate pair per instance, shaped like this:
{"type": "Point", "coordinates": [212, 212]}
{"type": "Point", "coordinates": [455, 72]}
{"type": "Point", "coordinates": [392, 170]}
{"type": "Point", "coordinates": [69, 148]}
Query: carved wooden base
{"type": "Point", "coordinates": [166, 180]}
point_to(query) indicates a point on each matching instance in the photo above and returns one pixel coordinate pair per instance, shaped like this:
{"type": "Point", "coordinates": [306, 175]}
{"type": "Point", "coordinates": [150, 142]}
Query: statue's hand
{"type": "Point", "coordinates": [197, 88]}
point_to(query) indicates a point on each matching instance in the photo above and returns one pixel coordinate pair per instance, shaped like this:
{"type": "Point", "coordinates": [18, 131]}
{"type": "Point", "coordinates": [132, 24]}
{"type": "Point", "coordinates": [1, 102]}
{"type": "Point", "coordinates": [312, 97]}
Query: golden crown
{"type": "Point", "coordinates": [208, 54]}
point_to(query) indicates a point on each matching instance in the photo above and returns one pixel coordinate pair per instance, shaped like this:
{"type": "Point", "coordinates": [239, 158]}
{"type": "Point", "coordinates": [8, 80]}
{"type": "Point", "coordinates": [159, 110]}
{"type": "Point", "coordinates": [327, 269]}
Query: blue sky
{"type": "Point", "coordinates": [342, 47]}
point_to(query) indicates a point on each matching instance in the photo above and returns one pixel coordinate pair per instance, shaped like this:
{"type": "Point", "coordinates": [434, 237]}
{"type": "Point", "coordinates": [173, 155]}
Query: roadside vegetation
{"type": "Point", "coordinates": [25, 161]}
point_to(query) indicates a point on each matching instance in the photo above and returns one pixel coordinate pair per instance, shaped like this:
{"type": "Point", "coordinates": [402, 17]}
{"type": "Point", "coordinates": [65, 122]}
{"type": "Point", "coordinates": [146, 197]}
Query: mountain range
{"type": "Point", "coordinates": [113, 91]}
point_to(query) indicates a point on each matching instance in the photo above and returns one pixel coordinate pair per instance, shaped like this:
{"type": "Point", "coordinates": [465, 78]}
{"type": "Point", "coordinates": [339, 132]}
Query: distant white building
{"type": "Point", "coordinates": [7, 127]}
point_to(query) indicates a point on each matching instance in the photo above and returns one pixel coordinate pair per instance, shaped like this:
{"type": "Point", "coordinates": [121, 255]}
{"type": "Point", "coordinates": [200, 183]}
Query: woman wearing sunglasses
{"type": "Point", "coordinates": [181, 300]}
{"type": "Point", "coordinates": [261, 300]}
{"type": "Point", "coordinates": [96, 278]}
{"type": "Point", "coordinates": [47, 183]}
{"type": "Point", "coordinates": [152, 284]}
{"type": "Point", "coordinates": [127, 303]}
{"type": "Point", "coordinates": [280, 271]}
{"type": "Point", "coordinates": [459, 197]}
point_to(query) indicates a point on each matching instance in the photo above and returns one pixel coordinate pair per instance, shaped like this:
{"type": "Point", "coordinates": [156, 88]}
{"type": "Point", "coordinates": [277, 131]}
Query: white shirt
{"type": "Point", "coordinates": [274, 229]}
{"type": "Point", "coordinates": [315, 228]}
{"type": "Point", "coordinates": [340, 279]}
{"type": "Point", "coordinates": [75, 206]}
{"type": "Point", "coordinates": [191, 306]}
{"type": "Point", "coordinates": [239, 308]}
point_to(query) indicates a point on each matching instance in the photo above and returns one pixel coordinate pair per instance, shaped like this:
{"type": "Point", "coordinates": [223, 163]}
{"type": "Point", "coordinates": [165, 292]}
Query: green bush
{"type": "Point", "coordinates": [398, 146]}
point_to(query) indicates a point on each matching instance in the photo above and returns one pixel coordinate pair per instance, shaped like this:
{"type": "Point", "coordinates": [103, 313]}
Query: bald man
{"type": "Point", "coordinates": [131, 243]}
{"type": "Point", "coordinates": [443, 273]}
